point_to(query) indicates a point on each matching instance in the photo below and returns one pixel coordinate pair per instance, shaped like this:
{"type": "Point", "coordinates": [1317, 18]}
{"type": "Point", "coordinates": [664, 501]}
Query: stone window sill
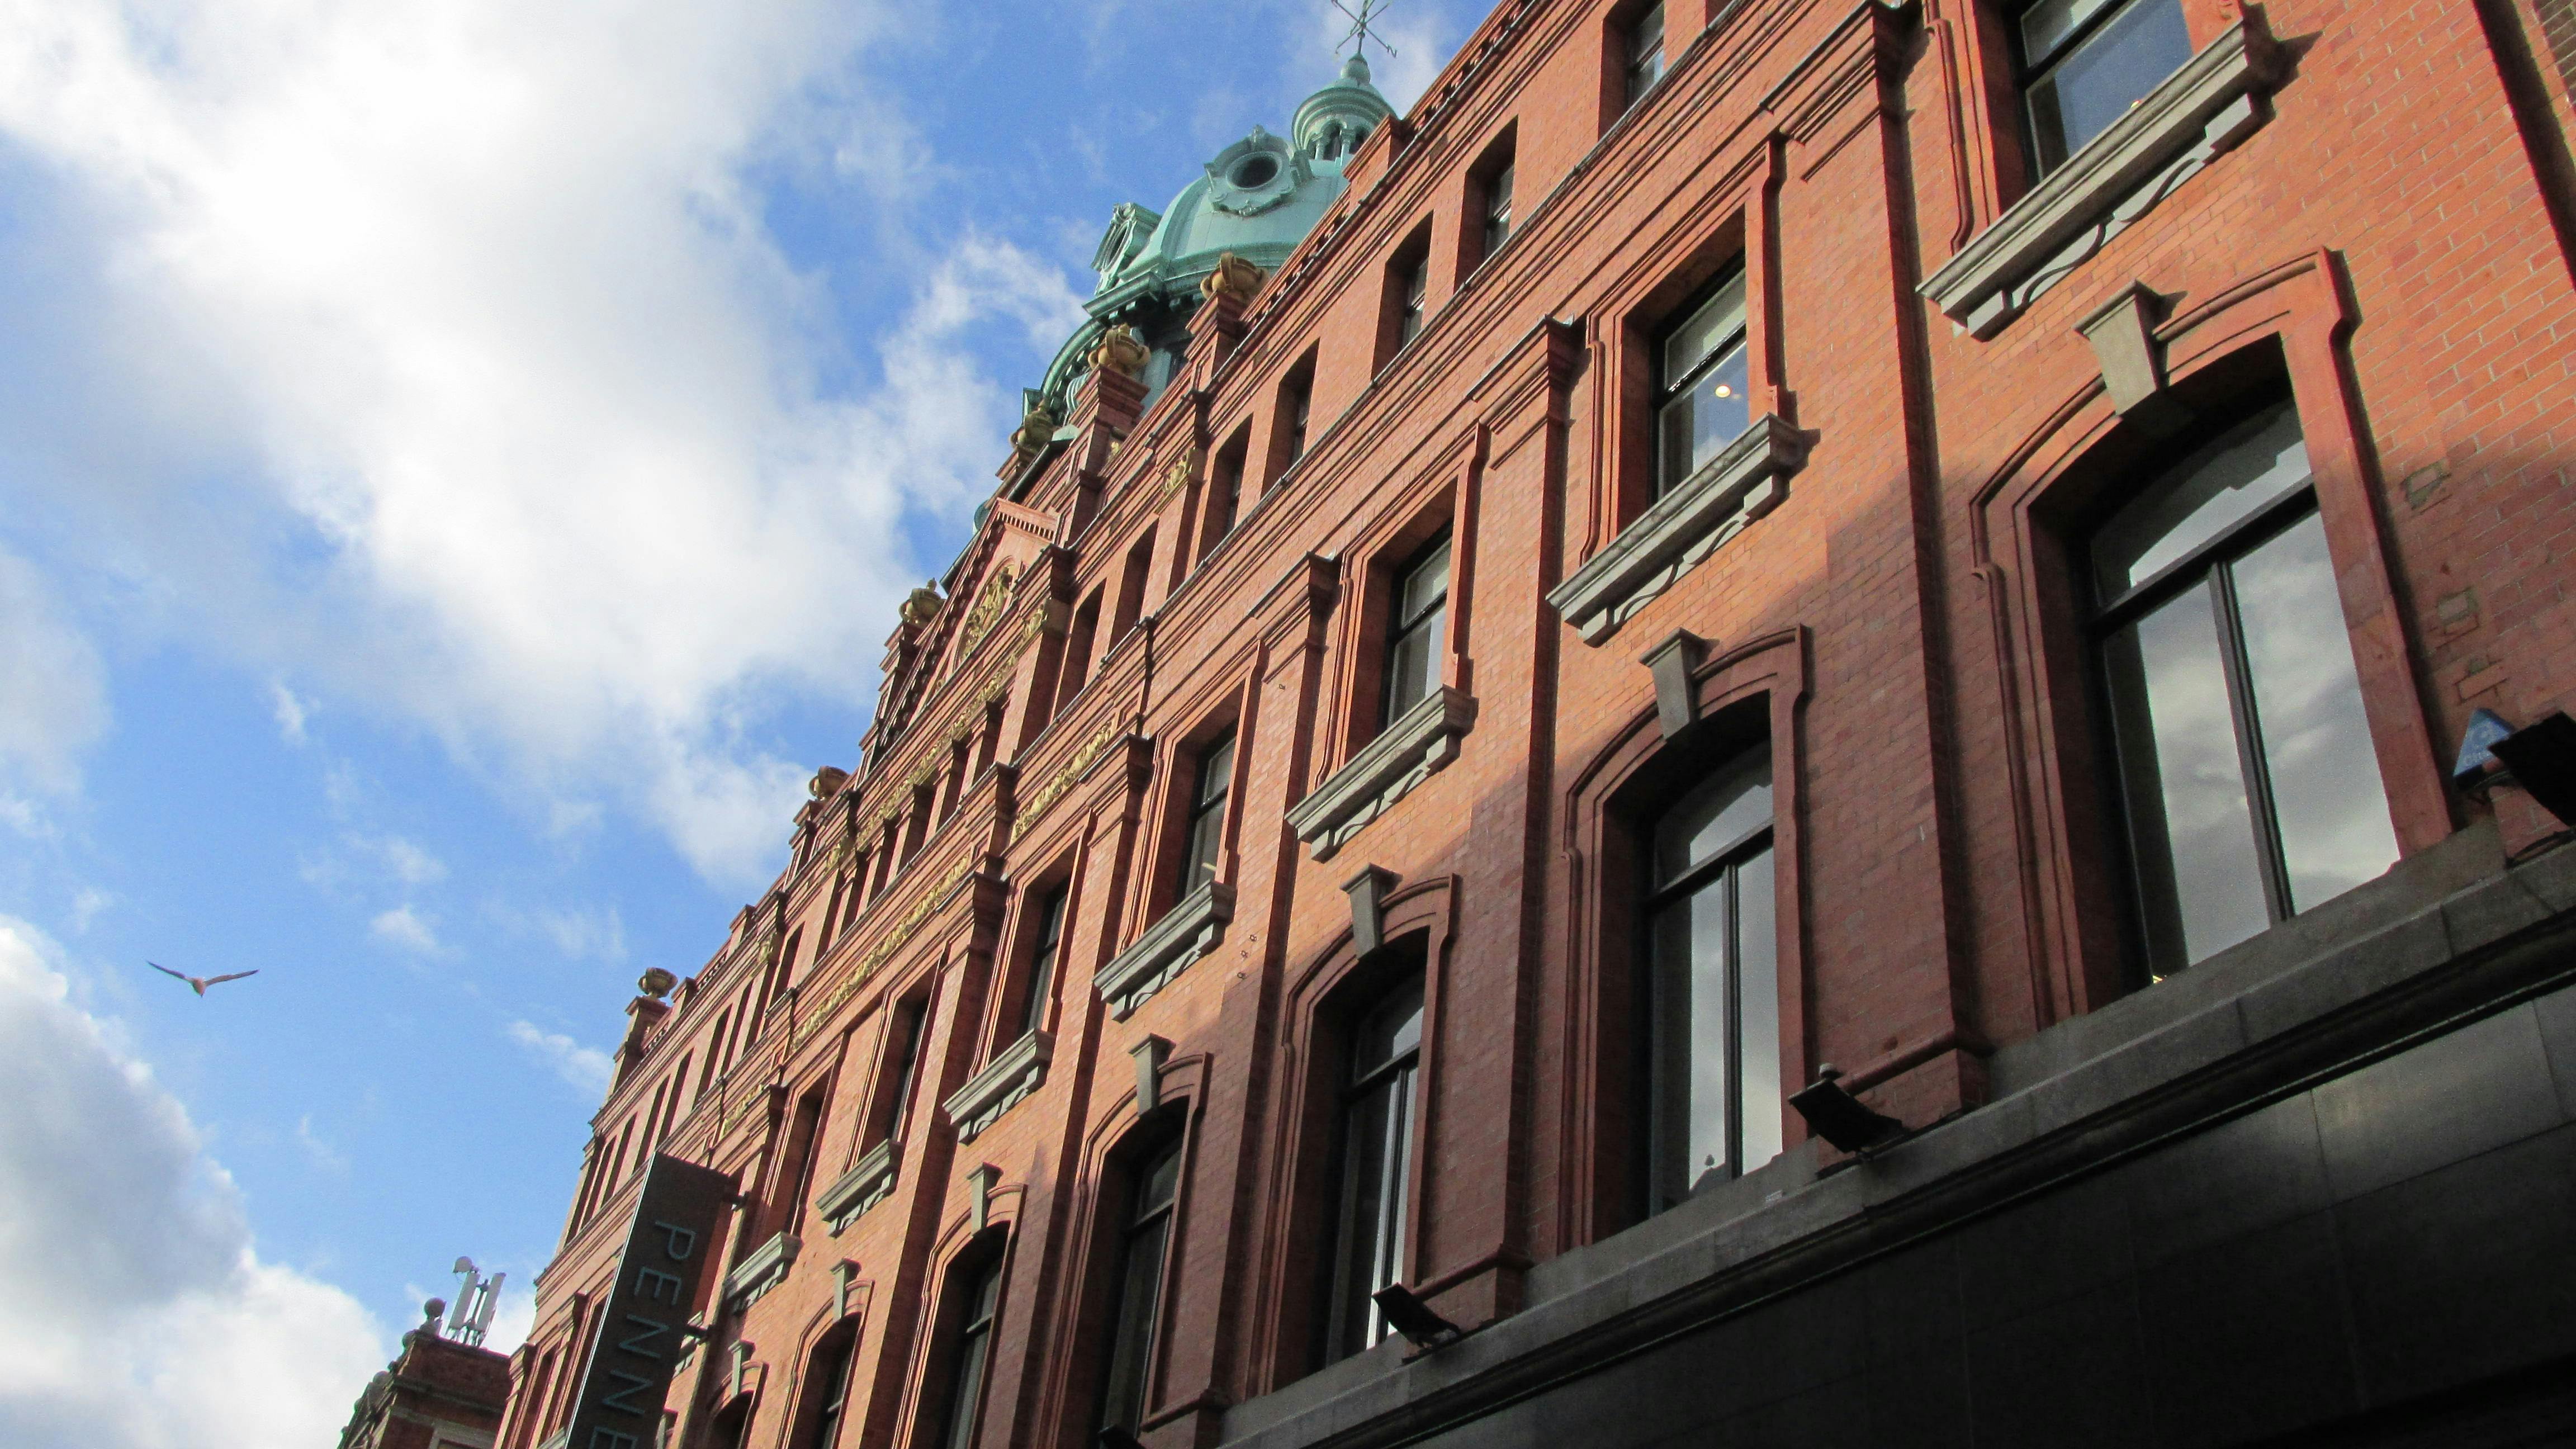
{"type": "Point", "coordinates": [765, 1268]}
{"type": "Point", "coordinates": [1003, 1083]}
{"type": "Point", "coordinates": [1409, 751]}
{"type": "Point", "coordinates": [1683, 527]}
{"type": "Point", "coordinates": [2202, 111]}
{"type": "Point", "coordinates": [862, 1187]}
{"type": "Point", "coordinates": [1185, 933]}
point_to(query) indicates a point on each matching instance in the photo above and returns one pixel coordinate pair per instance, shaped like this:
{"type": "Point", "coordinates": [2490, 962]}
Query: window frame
{"type": "Point", "coordinates": [1402, 630]}
{"type": "Point", "coordinates": [1037, 978]}
{"type": "Point", "coordinates": [1162, 1220]}
{"type": "Point", "coordinates": [2208, 566]}
{"type": "Point", "coordinates": [969, 1365]}
{"type": "Point", "coordinates": [1202, 855]}
{"type": "Point", "coordinates": [1391, 1236]}
{"type": "Point", "coordinates": [1663, 391]}
{"type": "Point", "coordinates": [1632, 58]}
{"type": "Point", "coordinates": [2029, 74]}
{"type": "Point", "coordinates": [1723, 868]}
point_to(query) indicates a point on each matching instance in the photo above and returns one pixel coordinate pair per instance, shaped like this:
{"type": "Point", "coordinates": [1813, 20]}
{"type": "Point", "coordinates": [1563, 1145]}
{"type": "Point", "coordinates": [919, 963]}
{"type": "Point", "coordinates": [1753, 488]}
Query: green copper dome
{"type": "Point", "coordinates": [1257, 198]}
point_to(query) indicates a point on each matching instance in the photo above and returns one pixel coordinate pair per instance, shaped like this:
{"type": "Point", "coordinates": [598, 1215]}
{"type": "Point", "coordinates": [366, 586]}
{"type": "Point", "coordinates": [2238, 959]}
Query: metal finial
{"type": "Point", "coordinates": [1360, 34]}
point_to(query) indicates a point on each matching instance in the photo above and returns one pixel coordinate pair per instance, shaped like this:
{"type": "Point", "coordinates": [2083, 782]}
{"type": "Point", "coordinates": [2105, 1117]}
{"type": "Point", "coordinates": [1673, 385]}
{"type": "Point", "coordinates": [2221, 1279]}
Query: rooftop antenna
{"type": "Point", "coordinates": [1360, 34]}
{"type": "Point", "coordinates": [472, 1315]}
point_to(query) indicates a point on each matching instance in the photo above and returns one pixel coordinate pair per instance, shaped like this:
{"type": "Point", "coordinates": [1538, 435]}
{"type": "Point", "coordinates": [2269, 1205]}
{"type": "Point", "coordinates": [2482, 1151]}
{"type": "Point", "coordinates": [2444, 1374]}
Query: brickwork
{"type": "Point", "coordinates": [1899, 620]}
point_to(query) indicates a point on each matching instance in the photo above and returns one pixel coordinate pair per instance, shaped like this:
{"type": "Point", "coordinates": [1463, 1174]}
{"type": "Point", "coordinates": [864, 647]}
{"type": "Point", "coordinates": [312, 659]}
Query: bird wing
{"type": "Point", "coordinates": [236, 976]}
{"type": "Point", "coordinates": [173, 975]}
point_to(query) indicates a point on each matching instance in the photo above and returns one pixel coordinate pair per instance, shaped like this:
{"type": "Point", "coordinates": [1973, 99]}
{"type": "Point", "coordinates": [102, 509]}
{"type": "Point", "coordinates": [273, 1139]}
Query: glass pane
{"type": "Point", "coordinates": [1699, 424]}
{"type": "Point", "coordinates": [2200, 879]}
{"type": "Point", "coordinates": [1132, 1331]}
{"type": "Point", "coordinates": [1159, 1181]}
{"type": "Point", "coordinates": [2045, 26]}
{"type": "Point", "coordinates": [2249, 466]}
{"type": "Point", "coordinates": [1207, 836]}
{"type": "Point", "coordinates": [1388, 1032]}
{"type": "Point", "coordinates": [2326, 792]}
{"type": "Point", "coordinates": [1645, 52]}
{"type": "Point", "coordinates": [1364, 1170]}
{"type": "Point", "coordinates": [2105, 75]}
{"type": "Point", "coordinates": [1216, 771]}
{"type": "Point", "coordinates": [1425, 584]}
{"type": "Point", "coordinates": [1757, 990]}
{"type": "Point", "coordinates": [1720, 811]}
{"type": "Point", "coordinates": [1409, 669]}
{"type": "Point", "coordinates": [1703, 1142]}
{"type": "Point", "coordinates": [1715, 326]}
{"type": "Point", "coordinates": [1397, 1177]}
{"type": "Point", "coordinates": [970, 1384]}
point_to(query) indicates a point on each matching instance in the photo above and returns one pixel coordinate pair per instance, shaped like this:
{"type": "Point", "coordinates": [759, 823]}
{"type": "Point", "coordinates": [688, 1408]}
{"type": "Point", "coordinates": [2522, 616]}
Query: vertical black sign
{"type": "Point", "coordinates": [669, 1249]}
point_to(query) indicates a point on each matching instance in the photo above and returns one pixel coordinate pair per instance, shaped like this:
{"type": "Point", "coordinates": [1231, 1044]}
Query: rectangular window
{"type": "Point", "coordinates": [1375, 1167]}
{"type": "Point", "coordinates": [832, 1384]}
{"type": "Point", "coordinates": [910, 1024]}
{"type": "Point", "coordinates": [1416, 621]}
{"type": "Point", "coordinates": [973, 1351]}
{"type": "Point", "coordinates": [1413, 284]}
{"type": "Point", "coordinates": [1713, 990]}
{"type": "Point", "coordinates": [1140, 1289]}
{"type": "Point", "coordinates": [1645, 60]}
{"type": "Point", "coordinates": [1296, 406]}
{"type": "Point", "coordinates": [2250, 783]}
{"type": "Point", "coordinates": [1224, 495]}
{"type": "Point", "coordinates": [1702, 376]}
{"type": "Point", "coordinates": [1497, 208]}
{"type": "Point", "coordinates": [1042, 959]}
{"type": "Point", "coordinates": [2085, 63]}
{"type": "Point", "coordinates": [1206, 832]}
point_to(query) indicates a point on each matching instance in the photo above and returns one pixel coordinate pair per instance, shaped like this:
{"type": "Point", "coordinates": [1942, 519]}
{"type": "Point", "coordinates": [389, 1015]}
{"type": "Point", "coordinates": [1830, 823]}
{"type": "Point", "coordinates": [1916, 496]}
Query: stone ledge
{"type": "Point", "coordinates": [1186, 932]}
{"type": "Point", "coordinates": [1003, 1083]}
{"type": "Point", "coordinates": [2200, 112]}
{"type": "Point", "coordinates": [765, 1268]}
{"type": "Point", "coordinates": [1683, 527]}
{"type": "Point", "coordinates": [1408, 752]}
{"type": "Point", "coordinates": [862, 1187]}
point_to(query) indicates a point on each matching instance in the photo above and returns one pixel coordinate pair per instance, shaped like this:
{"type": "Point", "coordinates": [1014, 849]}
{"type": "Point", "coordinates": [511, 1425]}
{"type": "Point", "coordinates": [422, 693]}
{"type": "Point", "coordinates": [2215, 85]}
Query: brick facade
{"type": "Point", "coordinates": [2364, 223]}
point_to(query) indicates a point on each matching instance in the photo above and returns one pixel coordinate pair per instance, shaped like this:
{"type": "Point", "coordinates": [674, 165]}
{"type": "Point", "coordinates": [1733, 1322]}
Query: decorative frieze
{"type": "Point", "coordinates": [2201, 112]}
{"type": "Point", "coordinates": [866, 1184]}
{"type": "Point", "coordinates": [1408, 752]}
{"type": "Point", "coordinates": [1064, 779]}
{"type": "Point", "coordinates": [763, 1269]}
{"type": "Point", "coordinates": [1684, 527]}
{"type": "Point", "coordinates": [1004, 1082]}
{"type": "Point", "coordinates": [1186, 932]}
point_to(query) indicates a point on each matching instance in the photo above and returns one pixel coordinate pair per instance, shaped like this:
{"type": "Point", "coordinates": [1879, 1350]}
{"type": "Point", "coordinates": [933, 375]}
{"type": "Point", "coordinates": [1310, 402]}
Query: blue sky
{"type": "Point", "coordinates": [457, 462]}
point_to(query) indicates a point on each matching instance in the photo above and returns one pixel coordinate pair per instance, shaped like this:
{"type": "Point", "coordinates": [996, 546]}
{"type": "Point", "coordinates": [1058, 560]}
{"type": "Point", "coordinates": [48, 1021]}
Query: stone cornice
{"type": "Point", "coordinates": [866, 1184]}
{"type": "Point", "coordinates": [1004, 1082]}
{"type": "Point", "coordinates": [1683, 527]}
{"type": "Point", "coordinates": [1186, 932]}
{"type": "Point", "coordinates": [762, 1269]}
{"type": "Point", "coordinates": [2202, 110]}
{"type": "Point", "coordinates": [1406, 753]}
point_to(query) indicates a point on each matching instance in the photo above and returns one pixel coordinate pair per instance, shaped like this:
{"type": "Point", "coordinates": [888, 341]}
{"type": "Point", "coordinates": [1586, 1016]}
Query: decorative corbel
{"type": "Point", "coordinates": [1150, 1055]}
{"type": "Point", "coordinates": [842, 1272]}
{"type": "Point", "coordinates": [982, 1181]}
{"type": "Point", "coordinates": [1368, 892]}
{"type": "Point", "coordinates": [2122, 332]}
{"type": "Point", "coordinates": [1673, 662]}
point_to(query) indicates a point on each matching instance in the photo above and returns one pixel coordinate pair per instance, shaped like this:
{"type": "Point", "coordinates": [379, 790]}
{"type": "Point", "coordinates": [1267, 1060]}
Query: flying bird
{"type": "Point", "coordinates": [198, 983]}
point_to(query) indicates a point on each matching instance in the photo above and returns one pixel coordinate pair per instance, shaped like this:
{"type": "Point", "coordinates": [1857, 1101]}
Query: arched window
{"type": "Point", "coordinates": [1713, 984]}
{"type": "Point", "coordinates": [1142, 1240]}
{"type": "Point", "coordinates": [2247, 775]}
{"type": "Point", "coordinates": [970, 1351]}
{"type": "Point", "coordinates": [1375, 1165]}
{"type": "Point", "coordinates": [830, 1380]}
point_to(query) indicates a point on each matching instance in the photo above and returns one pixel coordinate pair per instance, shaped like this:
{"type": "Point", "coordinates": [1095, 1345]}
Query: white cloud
{"type": "Point", "coordinates": [536, 436]}
{"type": "Point", "coordinates": [55, 703]}
{"type": "Point", "coordinates": [406, 928]}
{"type": "Point", "coordinates": [325, 1156]}
{"type": "Point", "coordinates": [88, 906]}
{"type": "Point", "coordinates": [136, 1311]}
{"type": "Point", "coordinates": [587, 1069]}
{"type": "Point", "coordinates": [290, 711]}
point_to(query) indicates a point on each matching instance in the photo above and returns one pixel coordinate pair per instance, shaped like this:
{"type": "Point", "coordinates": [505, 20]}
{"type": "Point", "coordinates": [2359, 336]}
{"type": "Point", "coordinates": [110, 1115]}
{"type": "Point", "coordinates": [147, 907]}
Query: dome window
{"type": "Point", "coordinates": [1254, 172]}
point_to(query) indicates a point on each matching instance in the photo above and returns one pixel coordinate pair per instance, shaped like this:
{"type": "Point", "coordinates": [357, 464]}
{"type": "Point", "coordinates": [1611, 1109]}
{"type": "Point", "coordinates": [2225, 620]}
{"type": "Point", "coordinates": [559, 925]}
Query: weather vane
{"type": "Point", "coordinates": [1360, 34]}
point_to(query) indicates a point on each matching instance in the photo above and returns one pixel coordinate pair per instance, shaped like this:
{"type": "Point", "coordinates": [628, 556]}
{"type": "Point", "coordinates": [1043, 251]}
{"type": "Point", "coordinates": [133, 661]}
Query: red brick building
{"type": "Point", "coordinates": [1958, 540]}
{"type": "Point", "coordinates": [439, 1394]}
